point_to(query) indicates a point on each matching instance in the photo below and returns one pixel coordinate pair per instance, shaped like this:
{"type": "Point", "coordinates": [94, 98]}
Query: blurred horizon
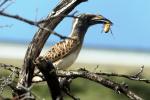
{"type": "Point", "coordinates": [95, 56]}
{"type": "Point", "coordinates": [87, 46]}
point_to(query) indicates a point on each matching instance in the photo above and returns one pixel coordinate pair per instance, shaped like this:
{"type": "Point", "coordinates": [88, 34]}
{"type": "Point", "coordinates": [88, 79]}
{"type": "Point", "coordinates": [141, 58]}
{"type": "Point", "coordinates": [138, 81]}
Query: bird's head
{"type": "Point", "coordinates": [91, 19]}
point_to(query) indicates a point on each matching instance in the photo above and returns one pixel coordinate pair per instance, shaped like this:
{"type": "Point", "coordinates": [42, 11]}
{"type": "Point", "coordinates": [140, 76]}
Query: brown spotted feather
{"type": "Point", "coordinates": [62, 49]}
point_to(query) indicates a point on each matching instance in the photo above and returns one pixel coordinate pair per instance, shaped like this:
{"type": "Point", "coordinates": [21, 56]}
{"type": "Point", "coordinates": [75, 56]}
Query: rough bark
{"type": "Point", "coordinates": [38, 41]}
{"type": "Point", "coordinates": [49, 73]}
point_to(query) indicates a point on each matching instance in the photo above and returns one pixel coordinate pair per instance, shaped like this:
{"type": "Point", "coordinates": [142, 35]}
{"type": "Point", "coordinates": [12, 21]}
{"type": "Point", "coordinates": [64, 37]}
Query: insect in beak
{"type": "Point", "coordinates": [106, 23]}
{"type": "Point", "coordinates": [107, 27]}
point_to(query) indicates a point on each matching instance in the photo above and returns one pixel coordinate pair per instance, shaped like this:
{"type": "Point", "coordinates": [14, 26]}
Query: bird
{"type": "Point", "coordinates": [64, 53]}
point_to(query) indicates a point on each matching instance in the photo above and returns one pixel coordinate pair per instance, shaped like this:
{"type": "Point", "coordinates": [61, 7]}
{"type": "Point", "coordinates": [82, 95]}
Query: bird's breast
{"type": "Point", "coordinates": [67, 61]}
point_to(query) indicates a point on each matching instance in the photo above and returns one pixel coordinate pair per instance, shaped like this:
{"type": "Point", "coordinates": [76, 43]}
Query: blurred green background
{"type": "Point", "coordinates": [87, 90]}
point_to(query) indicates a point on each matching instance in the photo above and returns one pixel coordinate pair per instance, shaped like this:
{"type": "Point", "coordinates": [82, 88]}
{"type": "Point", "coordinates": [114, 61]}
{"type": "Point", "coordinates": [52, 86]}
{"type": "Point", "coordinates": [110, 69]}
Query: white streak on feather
{"type": "Point", "coordinates": [74, 24]}
{"type": "Point", "coordinates": [64, 9]}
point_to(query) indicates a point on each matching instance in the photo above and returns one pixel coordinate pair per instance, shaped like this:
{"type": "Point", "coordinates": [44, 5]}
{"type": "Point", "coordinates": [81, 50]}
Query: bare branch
{"type": "Point", "coordinates": [48, 71]}
{"type": "Point", "coordinates": [5, 81]}
{"type": "Point", "coordinates": [120, 88]}
{"type": "Point", "coordinates": [65, 86]}
{"type": "Point", "coordinates": [6, 26]}
{"type": "Point", "coordinates": [23, 93]}
{"type": "Point", "coordinates": [52, 32]}
{"type": "Point", "coordinates": [4, 2]}
{"type": "Point", "coordinates": [71, 96]}
{"type": "Point", "coordinates": [11, 68]}
{"type": "Point", "coordinates": [30, 22]}
{"type": "Point", "coordinates": [35, 47]}
{"type": "Point", "coordinates": [96, 77]}
{"type": "Point", "coordinates": [139, 73]}
{"type": "Point", "coordinates": [19, 18]}
{"type": "Point", "coordinates": [135, 77]}
{"type": "Point", "coordinates": [130, 77]}
{"type": "Point", "coordinates": [7, 6]}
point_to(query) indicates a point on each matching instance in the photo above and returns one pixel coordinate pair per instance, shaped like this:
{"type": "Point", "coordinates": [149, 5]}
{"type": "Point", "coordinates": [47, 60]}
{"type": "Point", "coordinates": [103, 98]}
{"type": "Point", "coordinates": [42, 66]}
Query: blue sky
{"type": "Point", "coordinates": [131, 20]}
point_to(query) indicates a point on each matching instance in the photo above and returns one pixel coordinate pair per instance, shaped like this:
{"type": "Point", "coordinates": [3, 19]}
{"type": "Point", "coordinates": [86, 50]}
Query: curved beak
{"type": "Point", "coordinates": [102, 20]}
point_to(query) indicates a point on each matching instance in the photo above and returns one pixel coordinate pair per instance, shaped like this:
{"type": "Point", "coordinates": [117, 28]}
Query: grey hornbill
{"type": "Point", "coordinates": [64, 53]}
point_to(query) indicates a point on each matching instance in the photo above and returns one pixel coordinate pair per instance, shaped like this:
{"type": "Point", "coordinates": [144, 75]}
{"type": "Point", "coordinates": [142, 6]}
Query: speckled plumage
{"type": "Point", "coordinates": [64, 53]}
{"type": "Point", "coordinates": [62, 50]}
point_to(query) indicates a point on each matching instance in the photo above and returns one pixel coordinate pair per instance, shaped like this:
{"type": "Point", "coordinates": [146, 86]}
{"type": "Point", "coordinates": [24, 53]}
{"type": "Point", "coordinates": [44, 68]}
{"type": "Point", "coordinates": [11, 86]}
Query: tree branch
{"type": "Point", "coordinates": [96, 77]}
{"type": "Point", "coordinates": [48, 71]}
{"type": "Point", "coordinates": [135, 77]}
{"type": "Point", "coordinates": [19, 18]}
{"type": "Point", "coordinates": [6, 6]}
{"type": "Point", "coordinates": [4, 2]}
{"type": "Point", "coordinates": [11, 68]}
{"type": "Point", "coordinates": [130, 77]}
{"type": "Point", "coordinates": [30, 22]}
{"type": "Point", "coordinates": [120, 88]}
{"type": "Point", "coordinates": [35, 47]}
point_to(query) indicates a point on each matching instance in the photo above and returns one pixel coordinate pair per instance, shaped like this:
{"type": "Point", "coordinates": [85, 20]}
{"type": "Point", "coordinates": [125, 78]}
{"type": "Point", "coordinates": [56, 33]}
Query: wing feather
{"type": "Point", "coordinates": [62, 49]}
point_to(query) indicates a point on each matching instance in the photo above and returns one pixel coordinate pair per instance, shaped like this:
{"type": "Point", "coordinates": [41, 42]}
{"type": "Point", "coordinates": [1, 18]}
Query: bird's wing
{"type": "Point", "coordinates": [61, 49]}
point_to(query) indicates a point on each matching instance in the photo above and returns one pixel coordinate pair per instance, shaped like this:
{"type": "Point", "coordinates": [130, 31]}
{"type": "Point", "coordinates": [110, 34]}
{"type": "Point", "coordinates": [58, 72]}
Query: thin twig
{"type": "Point", "coordinates": [37, 24]}
{"type": "Point", "coordinates": [71, 96]}
{"type": "Point", "coordinates": [4, 2]}
{"type": "Point", "coordinates": [7, 80]}
{"type": "Point", "coordinates": [55, 33]}
{"type": "Point", "coordinates": [19, 18]}
{"type": "Point", "coordinates": [6, 6]}
{"type": "Point", "coordinates": [135, 77]}
{"type": "Point", "coordinates": [130, 77]}
{"type": "Point", "coordinates": [10, 68]}
{"type": "Point", "coordinates": [4, 26]}
{"type": "Point", "coordinates": [139, 73]}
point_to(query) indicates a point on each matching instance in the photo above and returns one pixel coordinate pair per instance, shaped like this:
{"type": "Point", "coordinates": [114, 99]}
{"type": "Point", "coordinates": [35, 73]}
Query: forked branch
{"type": "Point", "coordinates": [49, 73]}
{"type": "Point", "coordinates": [119, 88]}
{"type": "Point", "coordinates": [38, 41]}
{"type": "Point", "coordinates": [96, 77]}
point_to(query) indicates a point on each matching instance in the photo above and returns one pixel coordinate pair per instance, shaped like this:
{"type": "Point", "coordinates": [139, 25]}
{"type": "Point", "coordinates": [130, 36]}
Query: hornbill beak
{"type": "Point", "coordinates": [99, 19]}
